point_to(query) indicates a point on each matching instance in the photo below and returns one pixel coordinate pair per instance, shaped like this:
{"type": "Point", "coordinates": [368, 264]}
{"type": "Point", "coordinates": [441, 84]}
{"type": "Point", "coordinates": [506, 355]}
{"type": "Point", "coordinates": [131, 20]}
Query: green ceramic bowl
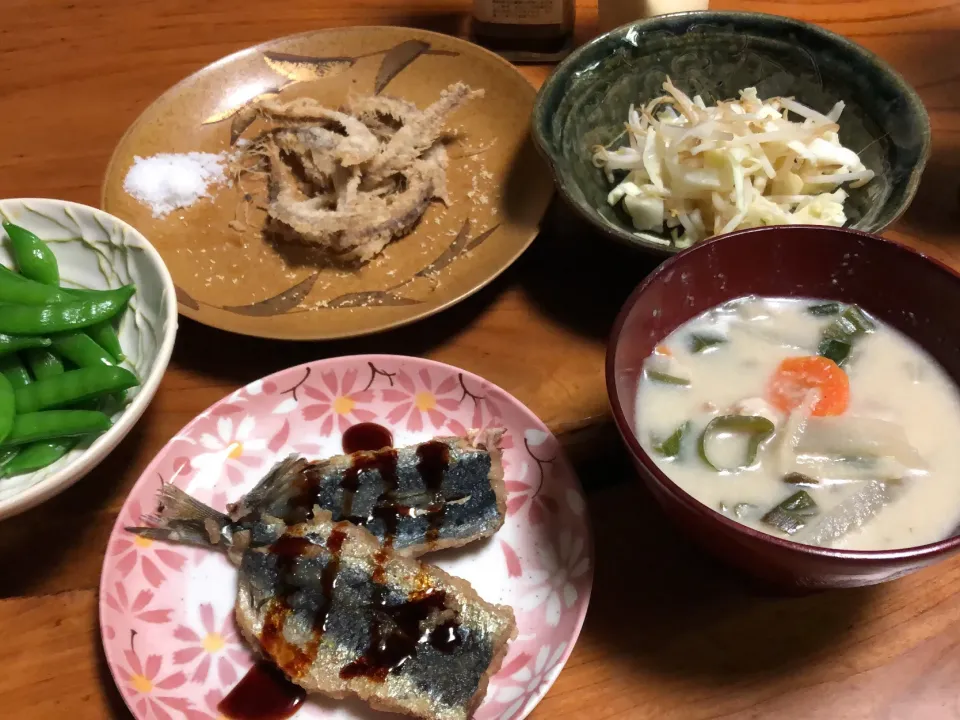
{"type": "Point", "coordinates": [716, 54]}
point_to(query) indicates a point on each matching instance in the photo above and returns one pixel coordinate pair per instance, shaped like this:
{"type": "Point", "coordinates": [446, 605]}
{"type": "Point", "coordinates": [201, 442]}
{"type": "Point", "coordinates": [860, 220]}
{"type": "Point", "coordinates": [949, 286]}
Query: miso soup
{"type": "Point", "coordinates": [806, 419]}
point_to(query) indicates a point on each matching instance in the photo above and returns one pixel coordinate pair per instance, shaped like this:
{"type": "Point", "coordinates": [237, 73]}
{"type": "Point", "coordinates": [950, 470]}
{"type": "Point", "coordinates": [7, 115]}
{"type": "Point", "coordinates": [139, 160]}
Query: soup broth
{"type": "Point", "coordinates": [808, 420]}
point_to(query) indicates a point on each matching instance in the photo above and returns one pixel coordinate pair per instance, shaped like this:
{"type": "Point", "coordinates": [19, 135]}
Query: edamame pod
{"type": "Point", "coordinates": [43, 363]}
{"type": "Point", "coordinates": [72, 387]}
{"type": "Point", "coordinates": [12, 368]}
{"type": "Point", "coordinates": [32, 255]}
{"type": "Point", "coordinates": [16, 343]}
{"type": "Point", "coordinates": [7, 407]}
{"type": "Point", "coordinates": [6, 456]}
{"type": "Point", "coordinates": [36, 456]}
{"type": "Point", "coordinates": [80, 349]}
{"type": "Point", "coordinates": [105, 336]}
{"type": "Point", "coordinates": [52, 424]}
{"type": "Point", "coordinates": [47, 319]}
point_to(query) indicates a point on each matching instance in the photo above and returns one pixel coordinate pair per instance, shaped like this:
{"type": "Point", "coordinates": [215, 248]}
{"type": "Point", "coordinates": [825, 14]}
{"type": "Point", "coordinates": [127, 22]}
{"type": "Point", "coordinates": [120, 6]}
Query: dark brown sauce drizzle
{"type": "Point", "coordinates": [395, 635]}
{"type": "Point", "coordinates": [264, 693]}
{"type": "Point", "coordinates": [287, 549]}
{"type": "Point", "coordinates": [434, 459]}
{"type": "Point", "coordinates": [372, 447]}
{"type": "Point", "coordinates": [383, 461]}
{"type": "Point", "coordinates": [366, 436]}
{"type": "Point", "coordinates": [395, 630]}
{"type": "Point", "coordinates": [329, 578]}
{"type": "Point", "coordinates": [445, 637]}
{"type": "Point", "coordinates": [289, 658]}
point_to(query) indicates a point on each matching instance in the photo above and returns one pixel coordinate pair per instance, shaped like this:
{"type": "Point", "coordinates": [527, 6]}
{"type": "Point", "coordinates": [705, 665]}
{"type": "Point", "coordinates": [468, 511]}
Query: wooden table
{"type": "Point", "coordinates": [670, 634]}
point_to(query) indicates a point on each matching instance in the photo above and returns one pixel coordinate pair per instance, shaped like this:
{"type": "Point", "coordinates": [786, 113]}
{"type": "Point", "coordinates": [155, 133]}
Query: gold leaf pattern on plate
{"type": "Point", "coordinates": [184, 299]}
{"type": "Point", "coordinates": [229, 112]}
{"type": "Point", "coordinates": [461, 244]}
{"type": "Point", "coordinates": [278, 304]}
{"type": "Point", "coordinates": [304, 68]}
{"type": "Point", "coordinates": [396, 59]}
{"type": "Point", "coordinates": [451, 253]}
{"type": "Point", "coordinates": [241, 121]}
{"type": "Point", "coordinates": [478, 240]}
{"type": "Point", "coordinates": [369, 298]}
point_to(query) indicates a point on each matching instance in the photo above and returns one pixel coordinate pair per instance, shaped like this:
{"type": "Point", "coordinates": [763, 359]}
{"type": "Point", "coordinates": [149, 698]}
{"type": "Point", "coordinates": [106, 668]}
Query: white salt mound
{"type": "Point", "coordinates": [169, 181]}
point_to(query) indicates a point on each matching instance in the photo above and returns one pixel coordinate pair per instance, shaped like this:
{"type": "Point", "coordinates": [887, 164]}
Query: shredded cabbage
{"type": "Point", "coordinates": [696, 171]}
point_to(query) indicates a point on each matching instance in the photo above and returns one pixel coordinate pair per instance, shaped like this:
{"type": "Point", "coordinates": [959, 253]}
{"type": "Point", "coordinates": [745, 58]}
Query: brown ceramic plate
{"type": "Point", "coordinates": [229, 276]}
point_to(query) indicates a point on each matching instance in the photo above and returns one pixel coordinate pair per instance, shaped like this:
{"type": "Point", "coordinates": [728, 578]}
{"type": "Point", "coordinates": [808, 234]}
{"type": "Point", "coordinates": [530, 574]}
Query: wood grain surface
{"type": "Point", "coordinates": [670, 634]}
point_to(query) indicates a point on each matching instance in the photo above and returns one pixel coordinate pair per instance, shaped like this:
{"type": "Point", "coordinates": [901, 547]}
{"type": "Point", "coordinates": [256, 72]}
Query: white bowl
{"type": "Point", "coordinates": [98, 251]}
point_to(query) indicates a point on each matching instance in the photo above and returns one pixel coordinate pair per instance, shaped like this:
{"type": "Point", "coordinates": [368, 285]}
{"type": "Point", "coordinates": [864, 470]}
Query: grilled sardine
{"type": "Point", "coordinates": [339, 613]}
{"type": "Point", "coordinates": [443, 493]}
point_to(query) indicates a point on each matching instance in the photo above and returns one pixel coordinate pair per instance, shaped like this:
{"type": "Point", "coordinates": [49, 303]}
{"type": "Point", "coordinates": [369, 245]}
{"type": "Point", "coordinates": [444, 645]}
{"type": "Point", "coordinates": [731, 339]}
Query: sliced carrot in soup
{"type": "Point", "coordinates": [797, 376]}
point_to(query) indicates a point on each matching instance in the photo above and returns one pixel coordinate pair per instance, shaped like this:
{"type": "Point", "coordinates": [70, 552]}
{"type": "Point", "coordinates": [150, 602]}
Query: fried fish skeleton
{"type": "Point", "coordinates": [348, 182]}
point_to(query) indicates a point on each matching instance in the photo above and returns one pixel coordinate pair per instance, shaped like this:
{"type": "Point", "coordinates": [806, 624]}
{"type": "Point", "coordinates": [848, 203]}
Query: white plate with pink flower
{"type": "Point", "coordinates": [166, 612]}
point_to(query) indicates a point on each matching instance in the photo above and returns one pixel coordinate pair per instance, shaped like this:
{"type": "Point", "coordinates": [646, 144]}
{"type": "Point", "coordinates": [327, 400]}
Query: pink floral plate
{"type": "Point", "coordinates": [166, 611]}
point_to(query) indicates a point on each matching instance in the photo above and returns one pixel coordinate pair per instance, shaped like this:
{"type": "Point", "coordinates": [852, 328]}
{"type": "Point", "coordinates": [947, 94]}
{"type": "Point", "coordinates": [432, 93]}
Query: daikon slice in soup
{"type": "Point", "coordinates": [806, 419]}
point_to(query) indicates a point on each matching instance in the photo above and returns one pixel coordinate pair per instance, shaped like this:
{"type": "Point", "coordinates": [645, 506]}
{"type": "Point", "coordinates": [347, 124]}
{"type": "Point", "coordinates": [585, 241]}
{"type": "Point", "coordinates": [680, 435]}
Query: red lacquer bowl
{"type": "Point", "coordinates": [911, 292]}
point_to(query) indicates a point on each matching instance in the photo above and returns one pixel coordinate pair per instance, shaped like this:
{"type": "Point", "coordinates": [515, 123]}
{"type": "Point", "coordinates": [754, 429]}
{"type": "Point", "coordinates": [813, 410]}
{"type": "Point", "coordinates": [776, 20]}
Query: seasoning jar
{"type": "Point", "coordinates": [525, 30]}
{"type": "Point", "coordinates": [614, 13]}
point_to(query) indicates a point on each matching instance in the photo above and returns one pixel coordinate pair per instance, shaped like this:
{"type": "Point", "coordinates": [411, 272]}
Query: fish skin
{"type": "Point", "coordinates": [430, 683]}
{"type": "Point", "coordinates": [473, 490]}
{"type": "Point", "coordinates": [318, 613]}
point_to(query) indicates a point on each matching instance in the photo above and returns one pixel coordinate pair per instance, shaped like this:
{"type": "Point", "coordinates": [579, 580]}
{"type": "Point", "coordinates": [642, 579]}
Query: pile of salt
{"type": "Point", "coordinates": [169, 181]}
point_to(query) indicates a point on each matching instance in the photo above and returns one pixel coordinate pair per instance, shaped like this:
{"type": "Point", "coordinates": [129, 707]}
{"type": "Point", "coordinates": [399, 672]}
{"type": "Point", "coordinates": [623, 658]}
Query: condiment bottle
{"type": "Point", "coordinates": [524, 30]}
{"type": "Point", "coordinates": [614, 13]}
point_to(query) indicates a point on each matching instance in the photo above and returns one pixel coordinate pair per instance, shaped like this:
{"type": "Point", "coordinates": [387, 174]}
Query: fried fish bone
{"type": "Point", "coordinates": [371, 169]}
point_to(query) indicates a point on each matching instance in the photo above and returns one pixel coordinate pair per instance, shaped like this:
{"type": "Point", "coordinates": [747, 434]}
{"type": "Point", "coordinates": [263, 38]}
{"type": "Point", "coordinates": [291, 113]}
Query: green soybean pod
{"type": "Point", "coordinates": [7, 407]}
{"type": "Point", "coordinates": [36, 456]}
{"type": "Point", "coordinates": [47, 319]}
{"type": "Point", "coordinates": [103, 333]}
{"type": "Point", "coordinates": [43, 363]}
{"type": "Point", "coordinates": [32, 255]}
{"type": "Point", "coordinates": [73, 387]}
{"type": "Point", "coordinates": [80, 349]}
{"type": "Point", "coordinates": [53, 424]}
{"type": "Point", "coordinates": [16, 343]}
{"type": "Point", "coordinates": [18, 289]}
{"type": "Point", "coordinates": [6, 456]}
{"type": "Point", "coordinates": [106, 337]}
{"type": "Point", "coordinates": [12, 368]}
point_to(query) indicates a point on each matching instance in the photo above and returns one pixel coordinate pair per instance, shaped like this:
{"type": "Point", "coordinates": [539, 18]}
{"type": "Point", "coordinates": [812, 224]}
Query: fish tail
{"type": "Point", "coordinates": [183, 519]}
{"type": "Point", "coordinates": [275, 485]}
{"type": "Point", "coordinates": [488, 438]}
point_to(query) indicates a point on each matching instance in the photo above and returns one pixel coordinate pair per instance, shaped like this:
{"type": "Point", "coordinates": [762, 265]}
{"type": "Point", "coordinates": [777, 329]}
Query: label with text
{"type": "Point", "coordinates": [519, 12]}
